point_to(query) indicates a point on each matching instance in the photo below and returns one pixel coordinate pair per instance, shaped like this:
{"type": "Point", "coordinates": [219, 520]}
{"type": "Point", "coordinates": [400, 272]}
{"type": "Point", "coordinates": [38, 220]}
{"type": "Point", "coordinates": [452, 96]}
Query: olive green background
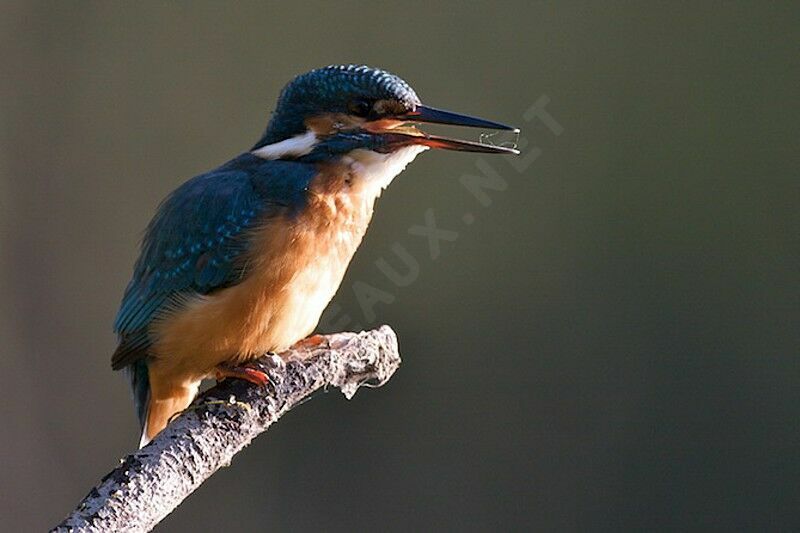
{"type": "Point", "coordinates": [611, 344]}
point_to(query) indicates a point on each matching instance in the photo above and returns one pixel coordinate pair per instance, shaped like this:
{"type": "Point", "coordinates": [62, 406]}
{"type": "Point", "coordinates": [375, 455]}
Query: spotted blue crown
{"type": "Point", "coordinates": [331, 89]}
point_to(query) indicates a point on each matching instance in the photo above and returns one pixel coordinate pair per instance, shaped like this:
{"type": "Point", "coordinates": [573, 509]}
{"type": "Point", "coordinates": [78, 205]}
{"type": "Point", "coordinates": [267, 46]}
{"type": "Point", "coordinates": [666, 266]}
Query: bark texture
{"type": "Point", "coordinates": [151, 482]}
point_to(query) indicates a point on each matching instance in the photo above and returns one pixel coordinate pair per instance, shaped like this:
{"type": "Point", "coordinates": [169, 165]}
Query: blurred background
{"type": "Point", "coordinates": [609, 341]}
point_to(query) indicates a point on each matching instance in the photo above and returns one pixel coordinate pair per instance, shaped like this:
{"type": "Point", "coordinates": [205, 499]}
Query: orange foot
{"type": "Point", "coordinates": [246, 373]}
{"type": "Point", "coordinates": [310, 342]}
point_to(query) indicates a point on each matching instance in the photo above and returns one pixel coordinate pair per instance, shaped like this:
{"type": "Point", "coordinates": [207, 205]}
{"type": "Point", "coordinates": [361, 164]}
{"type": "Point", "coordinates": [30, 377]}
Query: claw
{"type": "Point", "coordinates": [246, 373]}
{"type": "Point", "coordinates": [311, 342]}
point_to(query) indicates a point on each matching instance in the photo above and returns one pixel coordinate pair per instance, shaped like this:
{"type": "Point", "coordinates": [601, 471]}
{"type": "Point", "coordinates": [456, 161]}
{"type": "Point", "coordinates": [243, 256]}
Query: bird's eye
{"type": "Point", "coordinates": [360, 107]}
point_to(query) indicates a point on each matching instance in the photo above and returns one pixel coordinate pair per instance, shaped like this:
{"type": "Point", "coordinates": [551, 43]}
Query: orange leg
{"type": "Point", "coordinates": [246, 373]}
{"type": "Point", "coordinates": [310, 342]}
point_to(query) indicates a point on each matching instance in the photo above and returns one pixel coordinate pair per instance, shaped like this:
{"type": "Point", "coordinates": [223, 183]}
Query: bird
{"type": "Point", "coordinates": [242, 260]}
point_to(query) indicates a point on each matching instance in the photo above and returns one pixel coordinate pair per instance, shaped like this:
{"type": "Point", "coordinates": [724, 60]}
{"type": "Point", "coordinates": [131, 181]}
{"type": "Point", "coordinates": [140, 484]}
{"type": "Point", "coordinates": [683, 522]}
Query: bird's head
{"type": "Point", "coordinates": [334, 110]}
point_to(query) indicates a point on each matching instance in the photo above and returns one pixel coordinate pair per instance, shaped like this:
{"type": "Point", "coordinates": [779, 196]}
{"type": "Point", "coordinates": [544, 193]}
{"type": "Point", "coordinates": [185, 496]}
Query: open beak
{"type": "Point", "coordinates": [410, 136]}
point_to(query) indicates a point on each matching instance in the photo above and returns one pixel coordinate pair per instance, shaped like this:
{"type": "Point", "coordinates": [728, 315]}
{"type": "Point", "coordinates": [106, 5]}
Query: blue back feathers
{"type": "Point", "coordinates": [195, 243]}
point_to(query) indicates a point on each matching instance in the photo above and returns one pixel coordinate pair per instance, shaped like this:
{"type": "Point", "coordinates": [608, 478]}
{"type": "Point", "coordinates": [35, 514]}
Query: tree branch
{"type": "Point", "coordinates": [153, 481]}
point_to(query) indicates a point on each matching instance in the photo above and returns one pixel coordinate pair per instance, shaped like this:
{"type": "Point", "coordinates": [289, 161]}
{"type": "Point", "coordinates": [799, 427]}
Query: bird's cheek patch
{"type": "Point", "coordinates": [380, 125]}
{"type": "Point", "coordinates": [330, 123]}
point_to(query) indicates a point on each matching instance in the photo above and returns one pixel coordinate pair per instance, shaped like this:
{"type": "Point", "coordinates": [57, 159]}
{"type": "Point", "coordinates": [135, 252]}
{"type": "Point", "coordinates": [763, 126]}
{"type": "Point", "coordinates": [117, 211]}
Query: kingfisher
{"type": "Point", "coordinates": [242, 260]}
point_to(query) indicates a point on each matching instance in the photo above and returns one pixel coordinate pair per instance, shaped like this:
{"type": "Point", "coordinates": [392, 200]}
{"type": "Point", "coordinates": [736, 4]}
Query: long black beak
{"type": "Point", "coordinates": [395, 138]}
{"type": "Point", "coordinates": [424, 113]}
{"type": "Point", "coordinates": [437, 116]}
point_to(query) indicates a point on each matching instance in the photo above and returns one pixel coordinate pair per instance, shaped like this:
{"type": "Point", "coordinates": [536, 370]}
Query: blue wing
{"type": "Point", "coordinates": [196, 242]}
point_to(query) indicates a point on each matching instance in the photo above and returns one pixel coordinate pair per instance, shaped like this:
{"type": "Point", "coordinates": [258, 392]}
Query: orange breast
{"type": "Point", "coordinates": [295, 267]}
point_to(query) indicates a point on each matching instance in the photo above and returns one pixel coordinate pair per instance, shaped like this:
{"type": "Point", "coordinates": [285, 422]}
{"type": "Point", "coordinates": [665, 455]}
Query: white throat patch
{"type": "Point", "coordinates": [374, 171]}
{"type": "Point", "coordinates": [296, 146]}
{"type": "Point", "coordinates": [371, 171]}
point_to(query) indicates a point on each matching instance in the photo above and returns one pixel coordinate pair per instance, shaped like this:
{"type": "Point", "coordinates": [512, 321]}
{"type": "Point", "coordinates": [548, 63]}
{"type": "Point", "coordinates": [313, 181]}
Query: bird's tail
{"type": "Point", "coordinates": [156, 410]}
{"type": "Point", "coordinates": [140, 387]}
